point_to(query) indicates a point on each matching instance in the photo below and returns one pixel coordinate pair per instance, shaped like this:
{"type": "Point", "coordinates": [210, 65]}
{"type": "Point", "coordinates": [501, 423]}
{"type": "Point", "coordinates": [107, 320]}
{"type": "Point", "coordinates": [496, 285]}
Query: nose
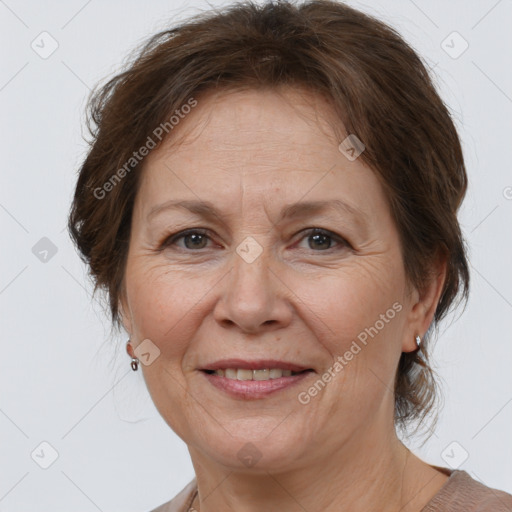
{"type": "Point", "coordinates": [253, 297]}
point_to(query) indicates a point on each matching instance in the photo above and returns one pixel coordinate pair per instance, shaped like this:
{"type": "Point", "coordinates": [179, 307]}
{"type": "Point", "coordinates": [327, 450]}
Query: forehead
{"type": "Point", "coordinates": [266, 121]}
{"type": "Point", "coordinates": [256, 146]}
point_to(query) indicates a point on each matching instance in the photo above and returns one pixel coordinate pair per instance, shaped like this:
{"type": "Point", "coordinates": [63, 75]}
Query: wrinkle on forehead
{"type": "Point", "coordinates": [251, 150]}
{"type": "Point", "coordinates": [314, 107]}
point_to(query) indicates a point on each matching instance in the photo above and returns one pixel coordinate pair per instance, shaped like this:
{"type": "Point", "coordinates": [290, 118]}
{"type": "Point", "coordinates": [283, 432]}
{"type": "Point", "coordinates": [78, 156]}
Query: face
{"type": "Point", "coordinates": [319, 287]}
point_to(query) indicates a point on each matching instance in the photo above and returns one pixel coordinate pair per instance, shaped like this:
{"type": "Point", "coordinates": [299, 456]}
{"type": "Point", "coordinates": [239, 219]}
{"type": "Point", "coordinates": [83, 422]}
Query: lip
{"type": "Point", "coordinates": [254, 389]}
{"type": "Point", "coordinates": [259, 364]}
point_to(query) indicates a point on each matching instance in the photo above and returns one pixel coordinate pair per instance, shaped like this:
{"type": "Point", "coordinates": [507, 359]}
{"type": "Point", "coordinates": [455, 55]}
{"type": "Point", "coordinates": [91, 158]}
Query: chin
{"type": "Point", "coordinates": [257, 449]}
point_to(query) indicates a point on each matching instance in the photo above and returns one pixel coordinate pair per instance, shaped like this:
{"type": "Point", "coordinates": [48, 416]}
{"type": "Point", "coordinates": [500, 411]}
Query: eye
{"type": "Point", "coordinates": [322, 239]}
{"type": "Point", "coordinates": [193, 239]}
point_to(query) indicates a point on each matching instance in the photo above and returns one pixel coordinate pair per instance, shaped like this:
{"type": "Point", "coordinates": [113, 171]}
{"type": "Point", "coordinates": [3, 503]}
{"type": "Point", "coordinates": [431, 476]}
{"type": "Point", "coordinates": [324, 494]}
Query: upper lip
{"type": "Point", "coordinates": [258, 364]}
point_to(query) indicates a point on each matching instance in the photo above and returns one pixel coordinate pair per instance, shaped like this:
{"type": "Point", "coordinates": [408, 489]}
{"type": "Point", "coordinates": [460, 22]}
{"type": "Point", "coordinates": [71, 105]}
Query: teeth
{"type": "Point", "coordinates": [261, 374]}
{"type": "Point", "coordinates": [244, 374]}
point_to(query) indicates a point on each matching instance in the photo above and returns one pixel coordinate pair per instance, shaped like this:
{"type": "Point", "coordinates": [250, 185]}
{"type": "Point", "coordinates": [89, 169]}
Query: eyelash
{"type": "Point", "coordinates": [172, 239]}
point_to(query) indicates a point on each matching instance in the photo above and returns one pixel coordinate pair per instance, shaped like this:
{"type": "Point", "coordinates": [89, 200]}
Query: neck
{"type": "Point", "coordinates": [373, 473]}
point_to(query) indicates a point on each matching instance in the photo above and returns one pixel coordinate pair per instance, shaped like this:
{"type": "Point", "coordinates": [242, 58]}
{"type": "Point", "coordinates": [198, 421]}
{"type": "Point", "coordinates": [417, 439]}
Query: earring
{"type": "Point", "coordinates": [135, 362]}
{"type": "Point", "coordinates": [418, 341]}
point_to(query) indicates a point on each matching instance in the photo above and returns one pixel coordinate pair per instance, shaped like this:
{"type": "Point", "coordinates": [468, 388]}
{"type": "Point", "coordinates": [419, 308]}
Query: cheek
{"type": "Point", "coordinates": [165, 306]}
{"type": "Point", "coordinates": [357, 317]}
{"type": "Point", "coordinates": [359, 303]}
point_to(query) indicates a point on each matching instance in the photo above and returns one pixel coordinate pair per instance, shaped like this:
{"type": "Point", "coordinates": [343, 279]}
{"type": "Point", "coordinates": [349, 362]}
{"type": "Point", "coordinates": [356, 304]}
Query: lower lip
{"type": "Point", "coordinates": [254, 389]}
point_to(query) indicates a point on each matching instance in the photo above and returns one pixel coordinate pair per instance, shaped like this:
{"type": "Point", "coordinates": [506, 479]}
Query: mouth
{"type": "Point", "coordinates": [248, 380]}
{"type": "Point", "coordinates": [259, 375]}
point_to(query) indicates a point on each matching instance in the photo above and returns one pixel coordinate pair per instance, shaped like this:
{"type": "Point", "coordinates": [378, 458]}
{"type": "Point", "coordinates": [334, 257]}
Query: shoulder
{"type": "Point", "coordinates": [181, 502]}
{"type": "Point", "coordinates": [464, 493]}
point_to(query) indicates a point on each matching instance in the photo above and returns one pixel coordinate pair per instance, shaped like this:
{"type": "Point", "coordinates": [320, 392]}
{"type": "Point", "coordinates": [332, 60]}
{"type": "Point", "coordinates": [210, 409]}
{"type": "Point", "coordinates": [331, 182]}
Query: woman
{"type": "Point", "coordinates": [221, 157]}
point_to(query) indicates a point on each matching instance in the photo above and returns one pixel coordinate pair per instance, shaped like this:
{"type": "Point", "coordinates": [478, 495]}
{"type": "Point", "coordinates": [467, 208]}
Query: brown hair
{"type": "Point", "coordinates": [381, 91]}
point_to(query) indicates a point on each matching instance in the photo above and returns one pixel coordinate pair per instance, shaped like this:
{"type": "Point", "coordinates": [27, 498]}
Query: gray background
{"type": "Point", "coordinates": [65, 380]}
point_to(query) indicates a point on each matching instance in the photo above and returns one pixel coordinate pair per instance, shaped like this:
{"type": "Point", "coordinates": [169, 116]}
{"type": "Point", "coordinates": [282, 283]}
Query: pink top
{"type": "Point", "coordinates": [460, 493]}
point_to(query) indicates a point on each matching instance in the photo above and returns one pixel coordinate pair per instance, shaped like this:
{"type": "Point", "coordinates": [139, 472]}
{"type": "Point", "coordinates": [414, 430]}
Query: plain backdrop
{"type": "Point", "coordinates": [65, 381]}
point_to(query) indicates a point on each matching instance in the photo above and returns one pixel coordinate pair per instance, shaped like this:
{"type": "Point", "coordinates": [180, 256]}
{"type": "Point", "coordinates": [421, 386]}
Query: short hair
{"type": "Point", "coordinates": [381, 91]}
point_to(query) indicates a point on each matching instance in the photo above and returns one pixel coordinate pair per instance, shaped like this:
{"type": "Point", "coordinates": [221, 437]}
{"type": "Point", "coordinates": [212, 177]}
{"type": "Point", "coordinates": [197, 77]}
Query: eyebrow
{"type": "Point", "coordinates": [300, 209]}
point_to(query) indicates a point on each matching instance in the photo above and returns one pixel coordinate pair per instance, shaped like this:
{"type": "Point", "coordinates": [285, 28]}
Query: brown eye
{"type": "Point", "coordinates": [322, 240]}
{"type": "Point", "coordinates": [193, 239]}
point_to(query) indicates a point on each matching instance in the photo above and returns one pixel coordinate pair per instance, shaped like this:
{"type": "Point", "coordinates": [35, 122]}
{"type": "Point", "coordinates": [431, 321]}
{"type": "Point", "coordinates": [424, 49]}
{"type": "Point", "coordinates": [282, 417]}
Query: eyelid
{"type": "Point", "coordinates": [321, 231]}
{"type": "Point", "coordinates": [170, 240]}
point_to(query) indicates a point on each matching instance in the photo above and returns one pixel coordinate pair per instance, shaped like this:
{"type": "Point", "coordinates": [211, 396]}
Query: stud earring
{"type": "Point", "coordinates": [418, 341]}
{"type": "Point", "coordinates": [135, 362]}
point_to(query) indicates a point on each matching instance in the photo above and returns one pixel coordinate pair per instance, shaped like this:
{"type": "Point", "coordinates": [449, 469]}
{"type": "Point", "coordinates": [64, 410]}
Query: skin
{"type": "Point", "coordinates": [251, 152]}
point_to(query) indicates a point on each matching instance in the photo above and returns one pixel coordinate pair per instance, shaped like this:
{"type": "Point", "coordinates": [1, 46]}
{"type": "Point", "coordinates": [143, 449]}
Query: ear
{"type": "Point", "coordinates": [423, 305]}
